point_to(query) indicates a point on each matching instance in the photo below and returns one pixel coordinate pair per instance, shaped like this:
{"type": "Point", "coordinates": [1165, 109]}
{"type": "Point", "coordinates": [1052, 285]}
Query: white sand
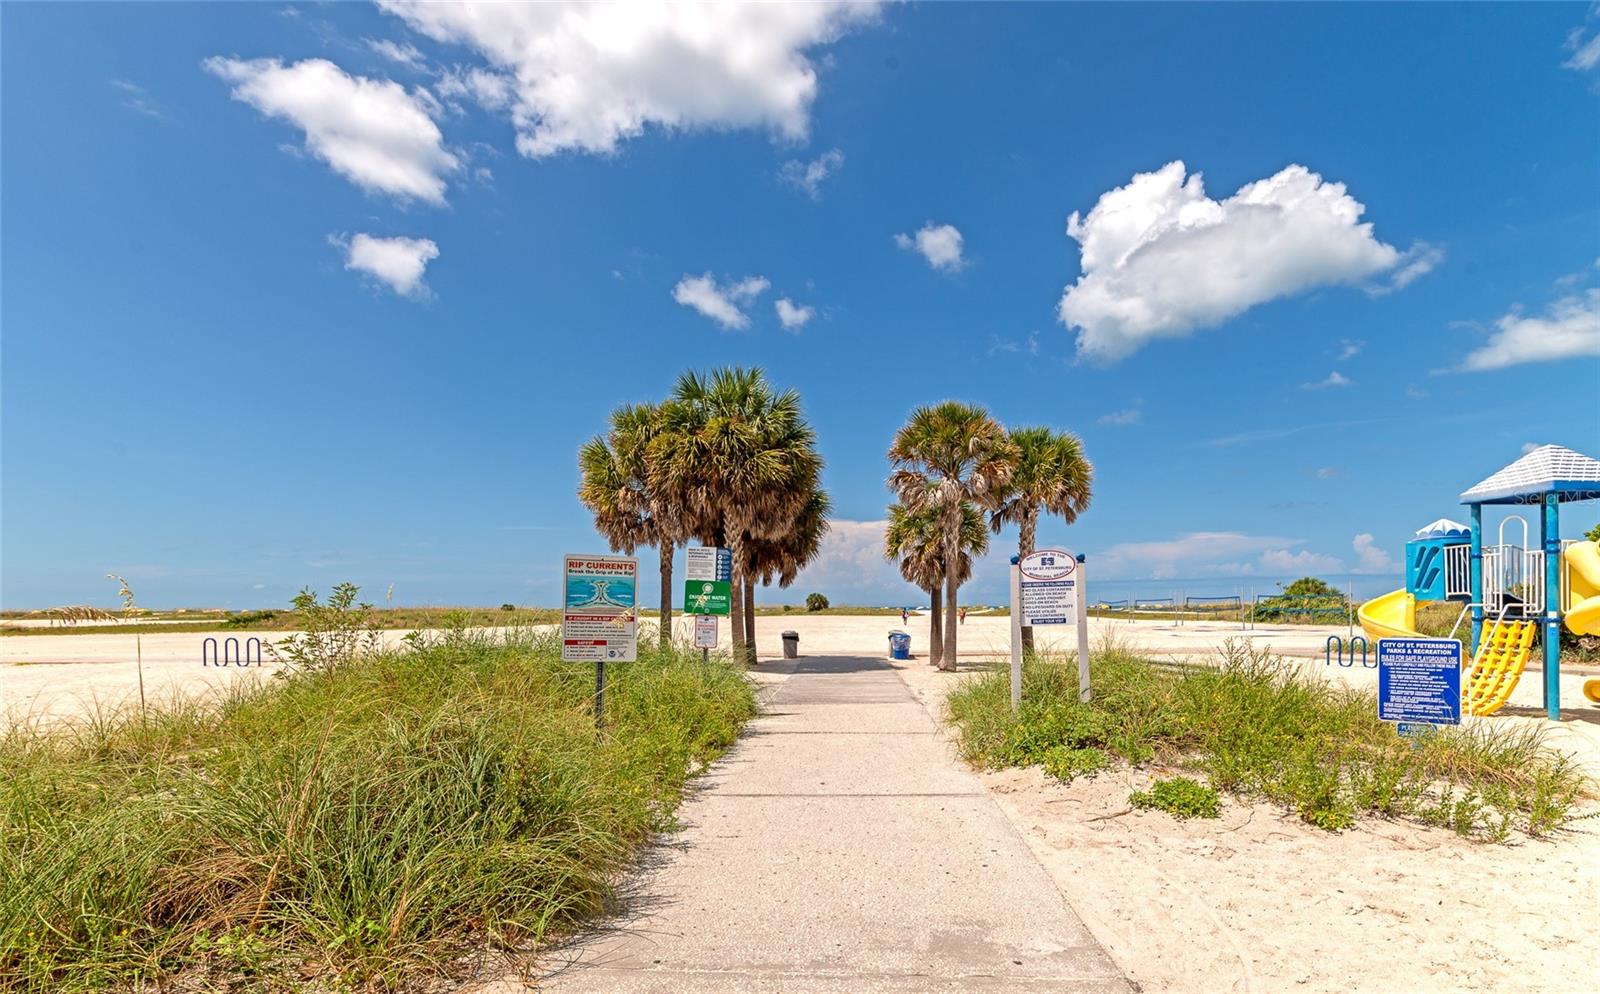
{"type": "Point", "coordinates": [1256, 901]}
{"type": "Point", "coordinates": [1259, 901]}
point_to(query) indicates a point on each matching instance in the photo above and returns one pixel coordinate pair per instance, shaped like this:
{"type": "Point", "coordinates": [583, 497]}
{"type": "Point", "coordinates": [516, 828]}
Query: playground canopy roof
{"type": "Point", "coordinates": [1549, 468]}
{"type": "Point", "coordinates": [1443, 528]}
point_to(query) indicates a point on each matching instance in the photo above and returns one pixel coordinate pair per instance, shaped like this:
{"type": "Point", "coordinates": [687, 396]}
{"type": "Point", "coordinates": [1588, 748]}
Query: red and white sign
{"type": "Point", "coordinates": [705, 631]}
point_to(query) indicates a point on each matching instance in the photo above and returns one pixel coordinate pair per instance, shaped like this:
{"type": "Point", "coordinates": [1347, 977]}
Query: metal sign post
{"type": "Point", "coordinates": [1016, 636]}
{"type": "Point", "coordinates": [1083, 638]}
{"type": "Point", "coordinates": [1047, 588]}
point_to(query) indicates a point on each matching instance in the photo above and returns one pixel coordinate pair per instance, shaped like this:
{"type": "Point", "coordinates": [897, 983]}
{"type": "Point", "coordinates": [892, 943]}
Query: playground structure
{"type": "Point", "coordinates": [1513, 593]}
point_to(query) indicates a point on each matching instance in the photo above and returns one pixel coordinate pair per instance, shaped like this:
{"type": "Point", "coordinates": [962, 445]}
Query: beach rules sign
{"type": "Point", "coordinates": [708, 572]}
{"type": "Point", "coordinates": [599, 619]}
{"type": "Point", "coordinates": [1047, 589]}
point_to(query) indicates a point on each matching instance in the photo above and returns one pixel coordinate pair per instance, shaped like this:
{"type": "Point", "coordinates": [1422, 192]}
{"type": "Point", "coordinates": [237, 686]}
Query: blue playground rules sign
{"type": "Point", "coordinates": [1419, 681]}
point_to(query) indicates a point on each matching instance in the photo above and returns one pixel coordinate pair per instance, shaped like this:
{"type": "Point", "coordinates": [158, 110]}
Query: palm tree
{"type": "Point", "coordinates": [615, 486]}
{"type": "Point", "coordinates": [1052, 475]}
{"type": "Point", "coordinates": [944, 457]}
{"type": "Point", "coordinates": [917, 541]}
{"type": "Point", "coordinates": [782, 559]}
{"type": "Point", "coordinates": [740, 461]}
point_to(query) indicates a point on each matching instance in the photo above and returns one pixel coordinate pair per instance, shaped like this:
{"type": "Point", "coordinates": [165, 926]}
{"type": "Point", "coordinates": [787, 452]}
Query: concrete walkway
{"type": "Point", "coordinates": [840, 846]}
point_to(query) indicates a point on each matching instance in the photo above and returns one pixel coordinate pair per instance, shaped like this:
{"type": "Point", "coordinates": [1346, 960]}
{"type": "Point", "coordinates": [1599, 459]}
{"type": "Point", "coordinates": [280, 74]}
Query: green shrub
{"type": "Point", "coordinates": [332, 635]}
{"type": "Point", "coordinates": [1179, 797]}
{"type": "Point", "coordinates": [508, 607]}
{"type": "Point", "coordinates": [1065, 762]}
{"type": "Point", "coordinates": [249, 619]}
{"type": "Point", "coordinates": [816, 602]}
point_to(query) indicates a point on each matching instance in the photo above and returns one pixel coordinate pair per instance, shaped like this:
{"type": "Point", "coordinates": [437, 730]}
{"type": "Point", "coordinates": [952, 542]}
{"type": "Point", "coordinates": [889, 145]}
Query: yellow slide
{"type": "Point", "coordinates": [1392, 616]}
{"type": "Point", "coordinates": [1582, 608]}
{"type": "Point", "coordinates": [1502, 655]}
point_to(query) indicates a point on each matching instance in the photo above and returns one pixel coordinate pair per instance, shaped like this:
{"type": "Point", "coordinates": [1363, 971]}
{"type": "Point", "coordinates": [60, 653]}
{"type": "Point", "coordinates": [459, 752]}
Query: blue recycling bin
{"type": "Point", "coordinates": [899, 645]}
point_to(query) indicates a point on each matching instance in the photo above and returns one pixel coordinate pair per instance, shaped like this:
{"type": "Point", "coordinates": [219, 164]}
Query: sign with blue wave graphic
{"type": "Point", "coordinates": [599, 619]}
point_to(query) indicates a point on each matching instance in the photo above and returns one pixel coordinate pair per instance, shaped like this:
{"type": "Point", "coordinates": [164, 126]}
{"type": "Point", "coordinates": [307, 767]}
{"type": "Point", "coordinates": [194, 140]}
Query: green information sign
{"type": "Point", "coordinates": [706, 597]}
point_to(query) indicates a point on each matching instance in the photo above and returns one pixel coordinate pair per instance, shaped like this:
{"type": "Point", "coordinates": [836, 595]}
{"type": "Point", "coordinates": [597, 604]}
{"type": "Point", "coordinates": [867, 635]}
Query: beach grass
{"type": "Point", "coordinates": [360, 825]}
{"type": "Point", "coordinates": [1259, 728]}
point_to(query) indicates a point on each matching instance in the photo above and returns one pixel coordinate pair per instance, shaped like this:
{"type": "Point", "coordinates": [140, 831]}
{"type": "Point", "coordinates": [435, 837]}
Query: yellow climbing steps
{"type": "Point", "coordinates": [1502, 655]}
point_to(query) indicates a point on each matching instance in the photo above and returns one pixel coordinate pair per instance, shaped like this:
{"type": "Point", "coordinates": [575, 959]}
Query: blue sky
{"type": "Point", "coordinates": [294, 295]}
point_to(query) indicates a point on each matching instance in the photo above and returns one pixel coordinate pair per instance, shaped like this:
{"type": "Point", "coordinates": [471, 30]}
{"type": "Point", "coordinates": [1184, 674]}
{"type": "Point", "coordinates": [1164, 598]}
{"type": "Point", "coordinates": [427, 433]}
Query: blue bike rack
{"type": "Point", "coordinates": [1336, 644]}
{"type": "Point", "coordinates": [232, 654]}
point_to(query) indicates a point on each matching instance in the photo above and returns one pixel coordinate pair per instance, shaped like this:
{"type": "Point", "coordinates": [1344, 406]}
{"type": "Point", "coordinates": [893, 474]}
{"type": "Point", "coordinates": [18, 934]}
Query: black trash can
{"type": "Point", "coordinates": [791, 645]}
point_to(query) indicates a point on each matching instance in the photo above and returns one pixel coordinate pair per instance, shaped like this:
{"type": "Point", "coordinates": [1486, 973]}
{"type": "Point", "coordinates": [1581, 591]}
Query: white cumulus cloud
{"type": "Point", "coordinates": [850, 567]}
{"type": "Point", "coordinates": [400, 53]}
{"type": "Point", "coordinates": [1161, 259]}
{"type": "Point", "coordinates": [793, 316]}
{"type": "Point", "coordinates": [1568, 330]}
{"type": "Point", "coordinates": [722, 303]}
{"type": "Point", "coordinates": [587, 76]}
{"type": "Point", "coordinates": [1122, 418]}
{"type": "Point", "coordinates": [808, 176]}
{"type": "Point", "coordinates": [940, 244]}
{"type": "Point", "coordinates": [1585, 51]}
{"type": "Point", "coordinates": [370, 131]}
{"type": "Point", "coordinates": [1208, 554]}
{"type": "Point", "coordinates": [399, 263]}
{"type": "Point", "coordinates": [1333, 379]}
{"type": "Point", "coordinates": [1305, 562]}
{"type": "Point", "coordinates": [1371, 557]}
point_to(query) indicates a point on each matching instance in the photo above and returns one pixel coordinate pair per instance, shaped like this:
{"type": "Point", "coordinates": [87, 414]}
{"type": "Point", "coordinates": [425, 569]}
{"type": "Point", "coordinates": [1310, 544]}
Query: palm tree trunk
{"type": "Point", "coordinates": [667, 546]}
{"type": "Point", "coordinates": [935, 636]}
{"type": "Point", "coordinates": [1027, 531]}
{"type": "Point", "coordinates": [736, 602]}
{"type": "Point", "coordinates": [952, 559]}
{"type": "Point", "coordinates": [750, 617]}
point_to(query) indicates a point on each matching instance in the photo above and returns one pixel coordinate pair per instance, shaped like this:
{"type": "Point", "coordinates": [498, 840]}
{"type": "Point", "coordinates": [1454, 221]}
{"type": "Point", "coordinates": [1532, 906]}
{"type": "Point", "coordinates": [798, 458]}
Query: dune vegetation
{"type": "Point", "coordinates": [1259, 729]}
{"type": "Point", "coordinates": [368, 820]}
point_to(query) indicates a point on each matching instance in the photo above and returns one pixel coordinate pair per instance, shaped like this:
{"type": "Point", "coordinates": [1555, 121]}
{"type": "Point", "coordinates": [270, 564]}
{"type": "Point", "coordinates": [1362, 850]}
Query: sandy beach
{"type": "Point", "coordinates": [1258, 900]}
{"type": "Point", "coordinates": [1254, 901]}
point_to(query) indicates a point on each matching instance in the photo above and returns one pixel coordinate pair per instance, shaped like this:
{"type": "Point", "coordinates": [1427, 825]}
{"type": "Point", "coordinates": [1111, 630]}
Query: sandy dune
{"type": "Point", "coordinates": [1259, 901]}
{"type": "Point", "coordinates": [1256, 901]}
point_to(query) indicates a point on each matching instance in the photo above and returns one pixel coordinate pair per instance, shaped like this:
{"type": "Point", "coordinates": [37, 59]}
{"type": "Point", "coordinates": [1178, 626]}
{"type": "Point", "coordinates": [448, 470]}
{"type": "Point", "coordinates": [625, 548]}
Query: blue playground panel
{"type": "Point", "coordinates": [1419, 681]}
{"type": "Point", "coordinates": [1425, 572]}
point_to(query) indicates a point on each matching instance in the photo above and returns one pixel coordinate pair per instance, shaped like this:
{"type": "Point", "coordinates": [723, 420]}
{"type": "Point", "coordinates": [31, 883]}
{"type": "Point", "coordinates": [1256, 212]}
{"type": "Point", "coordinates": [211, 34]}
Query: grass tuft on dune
{"type": "Point", "coordinates": [1258, 727]}
{"type": "Point", "coordinates": [362, 825]}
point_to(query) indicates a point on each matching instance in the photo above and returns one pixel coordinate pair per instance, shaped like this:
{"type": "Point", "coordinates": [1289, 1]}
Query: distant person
{"type": "Point", "coordinates": [904, 616]}
{"type": "Point", "coordinates": [961, 616]}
